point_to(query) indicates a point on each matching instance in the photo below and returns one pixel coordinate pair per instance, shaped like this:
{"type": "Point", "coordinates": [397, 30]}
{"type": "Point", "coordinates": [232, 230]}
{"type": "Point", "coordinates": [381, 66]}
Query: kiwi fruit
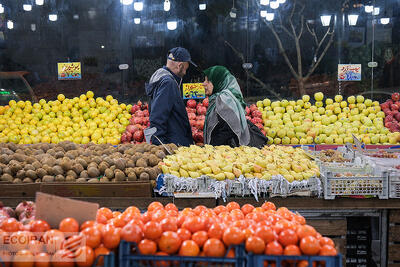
{"type": "Point", "coordinates": [20, 174]}
{"type": "Point", "coordinates": [30, 160]}
{"type": "Point", "coordinates": [140, 148]}
{"type": "Point", "coordinates": [59, 154]}
{"type": "Point", "coordinates": [57, 170]}
{"type": "Point", "coordinates": [130, 164]}
{"type": "Point", "coordinates": [6, 177]}
{"type": "Point", "coordinates": [84, 174]}
{"type": "Point", "coordinates": [5, 159]}
{"type": "Point", "coordinates": [81, 180]}
{"type": "Point", "coordinates": [31, 174]}
{"type": "Point", "coordinates": [144, 176]}
{"type": "Point", "coordinates": [70, 178]}
{"type": "Point", "coordinates": [41, 172]}
{"type": "Point", "coordinates": [93, 180]}
{"type": "Point", "coordinates": [153, 160]}
{"type": "Point", "coordinates": [19, 157]}
{"type": "Point", "coordinates": [160, 154]}
{"type": "Point", "coordinates": [132, 176]}
{"type": "Point", "coordinates": [17, 181]}
{"type": "Point", "coordinates": [27, 180]}
{"type": "Point", "coordinates": [15, 167]}
{"type": "Point", "coordinates": [7, 170]}
{"type": "Point", "coordinates": [82, 162]}
{"type": "Point", "coordinates": [119, 176]}
{"type": "Point", "coordinates": [109, 160]}
{"type": "Point", "coordinates": [60, 178]}
{"type": "Point", "coordinates": [138, 170]}
{"type": "Point", "coordinates": [103, 166]}
{"type": "Point", "coordinates": [93, 172]}
{"type": "Point", "coordinates": [152, 173]}
{"type": "Point", "coordinates": [28, 167]}
{"type": "Point", "coordinates": [92, 165]}
{"type": "Point", "coordinates": [48, 179]}
{"type": "Point", "coordinates": [109, 173]}
{"type": "Point", "coordinates": [130, 151]}
{"type": "Point", "coordinates": [141, 163]}
{"type": "Point", "coordinates": [77, 168]}
{"type": "Point", "coordinates": [104, 180]}
{"type": "Point", "coordinates": [66, 164]}
{"type": "Point", "coordinates": [72, 174]}
{"type": "Point", "coordinates": [48, 160]}
{"type": "Point", "coordinates": [97, 159]}
{"type": "Point", "coordinates": [120, 164]}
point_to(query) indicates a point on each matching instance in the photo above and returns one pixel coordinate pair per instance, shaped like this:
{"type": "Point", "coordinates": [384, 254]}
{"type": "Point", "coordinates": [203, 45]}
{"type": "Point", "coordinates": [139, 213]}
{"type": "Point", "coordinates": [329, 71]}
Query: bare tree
{"type": "Point", "coordinates": [288, 27]}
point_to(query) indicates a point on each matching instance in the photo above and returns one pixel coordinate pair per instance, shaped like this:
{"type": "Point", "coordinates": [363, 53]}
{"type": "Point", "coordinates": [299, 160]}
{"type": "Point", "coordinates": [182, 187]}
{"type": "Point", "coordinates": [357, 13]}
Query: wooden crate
{"type": "Point", "coordinates": [330, 227]}
{"type": "Point", "coordinates": [73, 190]}
{"type": "Point", "coordinates": [20, 191]}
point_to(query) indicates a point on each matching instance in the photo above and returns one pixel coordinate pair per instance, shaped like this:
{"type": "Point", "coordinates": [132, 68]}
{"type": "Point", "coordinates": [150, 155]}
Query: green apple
{"type": "Point", "coordinates": [300, 103]}
{"type": "Point", "coordinates": [368, 103]}
{"type": "Point", "coordinates": [338, 98]}
{"type": "Point", "coordinates": [307, 105]}
{"type": "Point", "coordinates": [294, 141]}
{"type": "Point", "coordinates": [360, 99]}
{"type": "Point", "coordinates": [277, 141]}
{"type": "Point", "coordinates": [383, 139]}
{"type": "Point", "coordinates": [275, 104]}
{"type": "Point", "coordinates": [266, 102]}
{"type": "Point", "coordinates": [292, 103]}
{"type": "Point", "coordinates": [306, 98]}
{"type": "Point", "coordinates": [319, 104]}
{"type": "Point", "coordinates": [260, 104]}
{"type": "Point", "coordinates": [284, 103]}
{"type": "Point", "coordinates": [351, 99]}
{"type": "Point", "coordinates": [319, 96]}
{"type": "Point", "coordinates": [329, 140]}
{"type": "Point", "coordinates": [329, 101]}
{"type": "Point", "coordinates": [285, 140]}
{"type": "Point", "coordinates": [343, 104]}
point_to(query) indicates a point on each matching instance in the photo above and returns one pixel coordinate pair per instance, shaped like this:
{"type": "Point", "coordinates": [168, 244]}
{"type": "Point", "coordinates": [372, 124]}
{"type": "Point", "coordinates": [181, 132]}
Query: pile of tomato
{"type": "Point", "coordinates": [163, 230]}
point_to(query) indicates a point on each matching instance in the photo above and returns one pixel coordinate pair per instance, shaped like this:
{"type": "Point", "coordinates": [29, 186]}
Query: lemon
{"type": "Point", "coordinates": [89, 94]}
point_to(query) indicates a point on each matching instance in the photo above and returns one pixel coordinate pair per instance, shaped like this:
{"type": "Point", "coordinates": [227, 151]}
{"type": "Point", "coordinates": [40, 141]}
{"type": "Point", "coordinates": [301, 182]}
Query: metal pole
{"type": "Point", "coordinates": [373, 50]}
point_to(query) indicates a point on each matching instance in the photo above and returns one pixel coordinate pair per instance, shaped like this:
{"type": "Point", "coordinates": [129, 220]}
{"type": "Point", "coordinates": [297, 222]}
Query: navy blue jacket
{"type": "Point", "coordinates": [167, 109]}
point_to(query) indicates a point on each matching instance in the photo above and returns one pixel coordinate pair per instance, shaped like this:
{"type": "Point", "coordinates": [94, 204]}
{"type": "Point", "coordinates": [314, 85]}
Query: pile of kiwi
{"type": "Point", "coordinates": [70, 162]}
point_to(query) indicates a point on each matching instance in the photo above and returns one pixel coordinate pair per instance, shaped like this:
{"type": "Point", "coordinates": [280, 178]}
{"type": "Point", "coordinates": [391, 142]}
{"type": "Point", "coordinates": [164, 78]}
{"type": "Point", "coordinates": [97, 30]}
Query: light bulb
{"type": "Point", "coordinates": [102, 46]}
{"type": "Point", "coordinates": [352, 19]}
{"type": "Point", "coordinates": [33, 27]}
{"type": "Point", "coordinates": [136, 20]}
{"type": "Point", "coordinates": [233, 13]}
{"type": "Point", "coordinates": [167, 5]}
{"type": "Point", "coordinates": [202, 6]}
{"type": "Point", "coordinates": [39, 2]}
{"type": "Point", "coordinates": [281, 1]}
{"type": "Point", "coordinates": [53, 17]}
{"type": "Point", "coordinates": [274, 4]}
{"type": "Point", "coordinates": [172, 25]}
{"type": "Point", "coordinates": [264, 2]}
{"type": "Point", "coordinates": [76, 16]}
{"type": "Point", "coordinates": [326, 20]}
{"type": "Point", "coordinates": [138, 6]}
{"type": "Point", "coordinates": [126, 2]}
{"type": "Point", "coordinates": [385, 21]}
{"type": "Point", "coordinates": [1, 9]}
{"type": "Point", "coordinates": [27, 7]}
{"type": "Point", "coordinates": [369, 8]}
{"type": "Point", "coordinates": [270, 16]}
{"type": "Point", "coordinates": [263, 13]}
{"type": "Point", "coordinates": [376, 11]}
{"type": "Point", "coordinates": [10, 24]}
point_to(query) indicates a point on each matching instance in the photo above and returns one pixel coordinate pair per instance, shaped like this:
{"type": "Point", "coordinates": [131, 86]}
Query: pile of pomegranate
{"type": "Point", "coordinates": [254, 115]}
{"type": "Point", "coordinates": [197, 114]}
{"type": "Point", "coordinates": [24, 212]}
{"type": "Point", "coordinates": [392, 112]}
{"type": "Point", "coordinates": [137, 123]}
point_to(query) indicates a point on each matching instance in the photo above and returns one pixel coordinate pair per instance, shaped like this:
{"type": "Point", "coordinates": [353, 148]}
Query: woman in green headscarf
{"type": "Point", "coordinates": [225, 122]}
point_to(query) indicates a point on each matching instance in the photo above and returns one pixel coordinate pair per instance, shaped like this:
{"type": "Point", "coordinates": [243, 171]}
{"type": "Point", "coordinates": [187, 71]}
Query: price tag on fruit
{"type": "Point", "coordinates": [69, 71]}
{"type": "Point", "coordinates": [193, 91]}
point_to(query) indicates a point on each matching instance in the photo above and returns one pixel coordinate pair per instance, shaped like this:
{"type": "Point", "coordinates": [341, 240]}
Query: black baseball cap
{"type": "Point", "coordinates": [180, 54]}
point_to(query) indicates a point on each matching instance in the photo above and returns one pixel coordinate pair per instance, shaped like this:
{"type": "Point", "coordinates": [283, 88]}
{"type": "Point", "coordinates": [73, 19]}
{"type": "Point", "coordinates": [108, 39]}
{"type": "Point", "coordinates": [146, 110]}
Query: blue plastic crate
{"type": "Point", "coordinates": [129, 259]}
{"type": "Point", "coordinates": [109, 260]}
{"type": "Point", "coordinates": [258, 260]}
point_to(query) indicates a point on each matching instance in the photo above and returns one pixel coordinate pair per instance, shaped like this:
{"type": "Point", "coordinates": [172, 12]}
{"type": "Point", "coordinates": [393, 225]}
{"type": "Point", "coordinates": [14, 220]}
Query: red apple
{"type": "Point", "coordinates": [191, 103]}
{"type": "Point", "coordinates": [248, 118]}
{"type": "Point", "coordinates": [139, 113]}
{"type": "Point", "coordinates": [198, 137]}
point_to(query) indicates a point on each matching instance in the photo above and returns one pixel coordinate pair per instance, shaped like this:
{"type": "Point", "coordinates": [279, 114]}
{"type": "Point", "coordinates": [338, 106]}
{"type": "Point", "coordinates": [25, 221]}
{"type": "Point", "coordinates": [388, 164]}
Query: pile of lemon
{"type": "Point", "coordinates": [81, 120]}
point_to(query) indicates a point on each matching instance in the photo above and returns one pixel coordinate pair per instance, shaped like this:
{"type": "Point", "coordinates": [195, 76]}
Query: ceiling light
{"type": "Point", "coordinates": [352, 19]}
{"type": "Point", "coordinates": [10, 24]}
{"type": "Point", "coordinates": [172, 25]}
{"type": "Point", "coordinates": [376, 11]}
{"type": "Point", "coordinates": [264, 2]}
{"type": "Point", "coordinates": [385, 21]}
{"type": "Point", "coordinates": [274, 4]}
{"type": "Point", "coordinates": [76, 16]}
{"type": "Point", "coordinates": [102, 46]}
{"type": "Point", "coordinates": [263, 13]}
{"type": "Point", "coordinates": [270, 16]}
{"type": "Point", "coordinates": [202, 6]}
{"type": "Point", "coordinates": [369, 8]}
{"type": "Point", "coordinates": [326, 20]}
{"type": "Point", "coordinates": [138, 6]}
{"type": "Point", "coordinates": [126, 2]}
{"type": "Point", "coordinates": [1, 9]}
{"type": "Point", "coordinates": [53, 17]}
{"type": "Point", "coordinates": [33, 27]}
{"type": "Point", "coordinates": [39, 2]}
{"type": "Point", "coordinates": [167, 5]}
{"type": "Point", "coordinates": [27, 7]}
{"type": "Point", "coordinates": [136, 20]}
{"type": "Point", "coordinates": [281, 1]}
{"type": "Point", "coordinates": [233, 13]}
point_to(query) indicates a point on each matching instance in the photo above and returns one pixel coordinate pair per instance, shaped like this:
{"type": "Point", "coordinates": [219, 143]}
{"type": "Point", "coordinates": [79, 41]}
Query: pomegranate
{"type": "Point", "coordinates": [138, 136]}
{"type": "Point", "coordinates": [23, 206]}
{"type": "Point", "coordinates": [191, 103]}
{"type": "Point", "coordinates": [205, 102]}
{"type": "Point", "coordinates": [134, 109]}
{"type": "Point", "coordinates": [131, 128]}
{"type": "Point", "coordinates": [7, 210]}
{"type": "Point", "coordinates": [395, 96]}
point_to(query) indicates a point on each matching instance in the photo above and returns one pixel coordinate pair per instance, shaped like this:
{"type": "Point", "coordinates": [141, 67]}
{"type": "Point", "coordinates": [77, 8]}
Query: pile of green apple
{"type": "Point", "coordinates": [333, 121]}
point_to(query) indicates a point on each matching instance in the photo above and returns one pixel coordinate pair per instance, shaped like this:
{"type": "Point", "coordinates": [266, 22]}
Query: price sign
{"type": "Point", "coordinates": [349, 72]}
{"type": "Point", "coordinates": [193, 91]}
{"type": "Point", "coordinates": [69, 71]}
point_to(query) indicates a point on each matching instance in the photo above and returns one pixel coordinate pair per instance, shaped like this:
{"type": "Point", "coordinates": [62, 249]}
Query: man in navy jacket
{"type": "Point", "coordinates": [168, 116]}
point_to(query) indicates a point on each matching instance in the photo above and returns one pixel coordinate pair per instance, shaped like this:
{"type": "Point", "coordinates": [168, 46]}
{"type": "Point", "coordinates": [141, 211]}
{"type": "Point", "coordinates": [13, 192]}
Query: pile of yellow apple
{"type": "Point", "coordinates": [332, 121]}
{"type": "Point", "coordinates": [224, 162]}
{"type": "Point", "coordinates": [81, 120]}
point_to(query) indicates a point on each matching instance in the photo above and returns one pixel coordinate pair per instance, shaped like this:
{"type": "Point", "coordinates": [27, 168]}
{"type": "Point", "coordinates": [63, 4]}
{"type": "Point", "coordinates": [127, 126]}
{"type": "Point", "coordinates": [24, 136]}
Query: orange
{"type": "Point", "coordinates": [189, 248]}
{"type": "Point", "coordinates": [147, 247]}
{"type": "Point", "coordinates": [273, 248]}
{"type": "Point", "coordinates": [233, 236]}
{"type": "Point", "coordinates": [309, 245]}
{"type": "Point", "coordinates": [214, 248]}
{"type": "Point", "coordinates": [255, 245]}
{"type": "Point", "coordinates": [288, 237]}
{"type": "Point", "coordinates": [169, 242]}
{"type": "Point", "coordinates": [200, 238]}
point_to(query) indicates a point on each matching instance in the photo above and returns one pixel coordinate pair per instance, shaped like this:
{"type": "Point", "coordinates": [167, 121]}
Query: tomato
{"type": "Point", "coordinates": [101, 250]}
{"type": "Point", "coordinates": [39, 226]}
{"type": "Point", "coordinates": [215, 231]}
{"type": "Point", "coordinates": [159, 215]}
{"type": "Point", "coordinates": [232, 205]}
{"type": "Point", "coordinates": [120, 221]}
{"type": "Point", "coordinates": [51, 233]}
{"type": "Point", "coordinates": [189, 248]}
{"type": "Point", "coordinates": [106, 212]}
{"type": "Point", "coordinates": [23, 258]}
{"type": "Point", "coordinates": [309, 245]}
{"type": "Point", "coordinates": [326, 241]}
{"type": "Point", "coordinates": [171, 206]}
{"type": "Point", "coordinates": [292, 250]}
{"type": "Point", "coordinates": [133, 210]}
{"type": "Point", "coordinates": [184, 234]}
{"type": "Point", "coordinates": [35, 246]}
{"type": "Point", "coordinates": [69, 226]}
{"type": "Point", "coordinates": [273, 248]}
{"type": "Point", "coordinates": [92, 236]}
{"type": "Point", "coordinates": [173, 213]}
{"type": "Point", "coordinates": [214, 248]}
{"type": "Point", "coordinates": [132, 233]}
{"type": "Point", "coordinates": [306, 230]}
{"type": "Point", "coordinates": [116, 214]}
{"type": "Point", "coordinates": [199, 209]}
{"type": "Point", "coordinates": [169, 224]}
{"type": "Point", "coordinates": [233, 236]}
{"type": "Point", "coordinates": [10, 225]}
{"type": "Point", "coordinates": [219, 209]}
{"type": "Point", "coordinates": [193, 224]}
{"type": "Point", "coordinates": [266, 233]}
{"type": "Point", "coordinates": [19, 240]}
{"type": "Point", "coordinates": [327, 250]}
{"type": "Point", "coordinates": [169, 242]}
{"type": "Point", "coordinates": [111, 237]}
{"type": "Point", "coordinates": [62, 258]}
{"type": "Point", "coordinates": [42, 260]}
{"type": "Point", "coordinates": [152, 230]}
{"type": "Point", "coordinates": [84, 256]}
{"type": "Point", "coordinates": [200, 238]}
{"type": "Point", "coordinates": [268, 206]}
{"type": "Point", "coordinates": [300, 219]}
{"type": "Point", "coordinates": [255, 245]}
{"type": "Point", "coordinates": [155, 206]}
{"type": "Point", "coordinates": [101, 218]}
{"type": "Point", "coordinates": [147, 247]}
{"type": "Point", "coordinates": [241, 224]}
{"type": "Point", "coordinates": [146, 217]}
{"type": "Point", "coordinates": [247, 208]}
{"type": "Point", "coordinates": [288, 237]}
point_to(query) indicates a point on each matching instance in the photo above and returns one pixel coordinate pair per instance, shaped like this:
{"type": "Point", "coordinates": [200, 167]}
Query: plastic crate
{"type": "Point", "coordinates": [394, 184]}
{"type": "Point", "coordinates": [258, 260]}
{"type": "Point", "coordinates": [356, 185]}
{"type": "Point", "coordinates": [129, 259]}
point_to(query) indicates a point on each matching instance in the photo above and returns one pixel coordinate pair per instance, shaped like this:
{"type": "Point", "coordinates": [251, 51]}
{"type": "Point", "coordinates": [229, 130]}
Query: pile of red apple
{"type": "Point", "coordinates": [197, 114]}
{"type": "Point", "coordinates": [392, 112]}
{"type": "Point", "coordinates": [137, 123]}
{"type": "Point", "coordinates": [254, 115]}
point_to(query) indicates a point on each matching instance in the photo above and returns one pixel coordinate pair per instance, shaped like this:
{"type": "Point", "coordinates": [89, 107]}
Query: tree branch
{"type": "Point", "coordinates": [283, 27]}
{"type": "Point", "coordinates": [313, 34]}
{"type": "Point", "coordinates": [319, 46]}
{"type": "Point", "coordinates": [249, 73]}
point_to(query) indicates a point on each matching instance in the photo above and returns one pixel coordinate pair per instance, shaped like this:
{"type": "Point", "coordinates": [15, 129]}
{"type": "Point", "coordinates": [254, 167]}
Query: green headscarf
{"type": "Point", "coordinates": [226, 86]}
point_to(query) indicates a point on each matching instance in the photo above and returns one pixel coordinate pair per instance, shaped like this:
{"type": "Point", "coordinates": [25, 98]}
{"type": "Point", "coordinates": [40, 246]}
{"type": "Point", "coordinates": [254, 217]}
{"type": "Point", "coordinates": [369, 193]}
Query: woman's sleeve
{"type": "Point", "coordinates": [223, 135]}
